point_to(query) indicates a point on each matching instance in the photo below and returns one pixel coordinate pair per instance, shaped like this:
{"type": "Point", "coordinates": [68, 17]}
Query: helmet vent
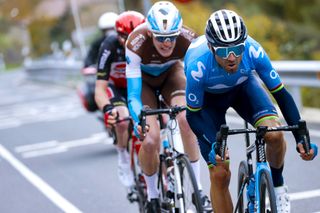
{"type": "Point", "coordinates": [165, 23]}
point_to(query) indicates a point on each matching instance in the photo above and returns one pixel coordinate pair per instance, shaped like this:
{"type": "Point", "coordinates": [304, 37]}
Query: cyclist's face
{"type": "Point", "coordinates": [230, 64]}
{"type": "Point", "coordinates": [164, 48]}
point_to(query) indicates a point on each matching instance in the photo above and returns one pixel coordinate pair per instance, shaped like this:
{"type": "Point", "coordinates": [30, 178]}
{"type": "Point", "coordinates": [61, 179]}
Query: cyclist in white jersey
{"type": "Point", "coordinates": [154, 53]}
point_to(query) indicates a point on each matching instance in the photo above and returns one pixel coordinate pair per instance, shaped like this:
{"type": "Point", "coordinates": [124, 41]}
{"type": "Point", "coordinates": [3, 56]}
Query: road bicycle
{"type": "Point", "coordinates": [255, 188]}
{"type": "Point", "coordinates": [137, 193]}
{"type": "Point", "coordinates": [177, 184]}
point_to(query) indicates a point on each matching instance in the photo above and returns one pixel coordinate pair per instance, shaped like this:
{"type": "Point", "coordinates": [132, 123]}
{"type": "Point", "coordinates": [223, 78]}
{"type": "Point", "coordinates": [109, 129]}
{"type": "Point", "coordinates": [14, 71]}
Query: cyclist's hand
{"type": "Point", "coordinates": [138, 131]}
{"type": "Point", "coordinates": [110, 115]}
{"type": "Point", "coordinates": [313, 151]}
{"type": "Point", "coordinates": [215, 158]}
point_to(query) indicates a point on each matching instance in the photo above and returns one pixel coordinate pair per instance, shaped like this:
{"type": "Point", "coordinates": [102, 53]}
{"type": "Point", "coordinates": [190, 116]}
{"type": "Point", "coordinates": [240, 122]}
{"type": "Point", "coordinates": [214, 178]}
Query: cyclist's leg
{"type": "Point", "coordinates": [258, 109]}
{"type": "Point", "coordinates": [149, 151]}
{"type": "Point", "coordinates": [261, 112]}
{"type": "Point", "coordinates": [174, 93]}
{"type": "Point", "coordinates": [214, 110]}
{"type": "Point", "coordinates": [117, 98]}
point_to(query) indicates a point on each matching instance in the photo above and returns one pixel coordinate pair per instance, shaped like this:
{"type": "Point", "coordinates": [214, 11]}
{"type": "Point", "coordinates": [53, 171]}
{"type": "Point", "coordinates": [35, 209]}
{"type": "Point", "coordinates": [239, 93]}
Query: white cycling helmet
{"type": "Point", "coordinates": [164, 18]}
{"type": "Point", "coordinates": [107, 20]}
{"type": "Point", "coordinates": [225, 28]}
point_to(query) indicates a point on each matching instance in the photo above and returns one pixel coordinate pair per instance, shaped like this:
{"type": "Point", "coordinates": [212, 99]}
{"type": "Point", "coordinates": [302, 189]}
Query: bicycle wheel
{"type": "Point", "coordinates": [140, 188]}
{"type": "Point", "coordinates": [266, 191]}
{"type": "Point", "coordinates": [190, 190]}
{"type": "Point", "coordinates": [166, 185]}
{"type": "Point", "coordinates": [242, 189]}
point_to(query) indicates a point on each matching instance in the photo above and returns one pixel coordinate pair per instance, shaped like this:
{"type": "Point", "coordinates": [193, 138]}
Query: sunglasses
{"type": "Point", "coordinates": [224, 52]}
{"type": "Point", "coordinates": [165, 38]}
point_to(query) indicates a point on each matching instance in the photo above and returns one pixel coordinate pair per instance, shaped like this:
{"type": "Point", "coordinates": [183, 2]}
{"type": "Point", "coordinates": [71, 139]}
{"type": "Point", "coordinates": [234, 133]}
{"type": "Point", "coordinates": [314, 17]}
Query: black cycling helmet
{"type": "Point", "coordinates": [225, 28]}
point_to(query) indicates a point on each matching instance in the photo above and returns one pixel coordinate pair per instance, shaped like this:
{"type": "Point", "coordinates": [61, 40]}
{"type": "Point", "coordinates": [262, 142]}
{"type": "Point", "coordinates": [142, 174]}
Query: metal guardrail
{"type": "Point", "coordinates": [54, 70]}
{"type": "Point", "coordinates": [295, 74]}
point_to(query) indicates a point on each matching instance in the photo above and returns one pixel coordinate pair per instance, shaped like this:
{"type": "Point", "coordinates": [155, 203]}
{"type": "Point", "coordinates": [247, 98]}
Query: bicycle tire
{"type": "Point", "coordinates": [190, 190]}
{"type": "Point", "coordinates": [266, 192]}
{"type": "Point", "coordinates": [166, 195]}
{"type": "Point", "coordinates": [243, 173]}
{"type": "Point", "coordinates": [140, 185]}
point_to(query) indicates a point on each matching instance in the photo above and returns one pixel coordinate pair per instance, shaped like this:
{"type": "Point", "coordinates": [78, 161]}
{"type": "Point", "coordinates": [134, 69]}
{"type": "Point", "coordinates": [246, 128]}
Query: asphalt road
{"type": "Point", "coordinates": [55, 157]}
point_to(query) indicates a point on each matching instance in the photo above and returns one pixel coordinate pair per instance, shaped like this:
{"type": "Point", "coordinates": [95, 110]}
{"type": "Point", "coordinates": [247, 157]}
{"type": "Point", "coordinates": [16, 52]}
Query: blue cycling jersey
{"type": "Point", "coordinates": [204, 74]}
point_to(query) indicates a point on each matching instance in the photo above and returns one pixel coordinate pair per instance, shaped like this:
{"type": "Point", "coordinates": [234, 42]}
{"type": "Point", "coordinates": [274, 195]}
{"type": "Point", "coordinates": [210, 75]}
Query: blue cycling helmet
{"type": "Point", "coordinates": [225, 28]}
{"type": "Point", "coordinates": [164, 18]}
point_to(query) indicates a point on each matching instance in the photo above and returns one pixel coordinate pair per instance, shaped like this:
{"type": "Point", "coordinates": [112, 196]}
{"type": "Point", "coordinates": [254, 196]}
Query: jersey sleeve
{"type": "Point", "coordinates": [106, 52]}
{"type": "Point", "coordinates": [263, 67]}
{"type": "Point", "coordinates": [134, 84]}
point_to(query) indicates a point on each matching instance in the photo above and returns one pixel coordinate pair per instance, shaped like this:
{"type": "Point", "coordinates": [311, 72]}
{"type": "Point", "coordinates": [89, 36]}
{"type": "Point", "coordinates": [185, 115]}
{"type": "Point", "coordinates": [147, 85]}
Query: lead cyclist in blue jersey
{"type": "Point", "coordinates": [220, 74]}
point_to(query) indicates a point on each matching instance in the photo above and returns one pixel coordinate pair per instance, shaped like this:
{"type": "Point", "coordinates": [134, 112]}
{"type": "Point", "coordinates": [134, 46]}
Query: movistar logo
{"type": "Point", "coordinates": [196, 75]}
{"type": "Point", "coordinates": [256, 53]}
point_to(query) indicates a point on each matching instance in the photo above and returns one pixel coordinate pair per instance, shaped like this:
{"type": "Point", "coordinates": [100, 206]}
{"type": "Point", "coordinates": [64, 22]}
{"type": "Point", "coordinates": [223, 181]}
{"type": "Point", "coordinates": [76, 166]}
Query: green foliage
{"type": "Point", "coordinates": [40, 36]}
{"type": "Point", "coordinates": [203, 13]}
{"type": "Point", "coordinates": [310, 97]}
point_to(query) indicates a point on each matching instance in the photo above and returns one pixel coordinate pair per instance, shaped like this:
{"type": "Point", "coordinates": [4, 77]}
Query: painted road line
{"type": "Point", "coordinates": [55, 147]}
{"type": "Point", "coordinates": [40, 184]}
{"type": "Point", "coordinates": [305, 194]}
{"type": "Point", "coordinates": [30, 147]}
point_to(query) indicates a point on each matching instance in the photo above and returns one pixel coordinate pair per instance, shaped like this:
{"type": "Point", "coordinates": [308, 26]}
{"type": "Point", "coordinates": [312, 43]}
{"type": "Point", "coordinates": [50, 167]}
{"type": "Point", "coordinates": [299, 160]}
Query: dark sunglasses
{"type": "Point", "coordinates": [165, 38]}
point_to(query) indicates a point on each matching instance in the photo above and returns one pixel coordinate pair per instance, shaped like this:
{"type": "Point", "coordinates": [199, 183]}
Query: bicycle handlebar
{"type": "Point", "coordinates": [222, 135]}
{"type": "Point", "coordinates": [171, 111]}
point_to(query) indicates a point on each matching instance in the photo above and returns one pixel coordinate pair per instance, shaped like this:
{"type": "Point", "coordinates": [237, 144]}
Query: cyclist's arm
{"type": "Point", "coordinates": [272, 80]}
{"type": "Point", "coordinates": [134, 84]}
{"type": "Point", "coordinates": [105, 56]}
{"type": "Point", "coordinates": [288, 108]}
{"type": "Point", "coordinates": [100, 95]}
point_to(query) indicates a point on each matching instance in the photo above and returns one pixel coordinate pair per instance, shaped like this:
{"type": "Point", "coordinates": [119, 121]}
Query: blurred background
{"type": "Point", "coordinates": [287, 29]}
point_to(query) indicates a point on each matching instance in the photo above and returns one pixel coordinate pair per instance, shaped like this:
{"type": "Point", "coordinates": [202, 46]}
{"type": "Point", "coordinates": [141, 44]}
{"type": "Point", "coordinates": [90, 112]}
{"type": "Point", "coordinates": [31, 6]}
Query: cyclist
{"type": "Point", "coordinates": [106, 24]}
{"type": "Point", "coordinates": [154, 51]}
{"type": "Point", "coordinates": [219, 68]}
{"type": "Point", "coordinates": [110, 90]}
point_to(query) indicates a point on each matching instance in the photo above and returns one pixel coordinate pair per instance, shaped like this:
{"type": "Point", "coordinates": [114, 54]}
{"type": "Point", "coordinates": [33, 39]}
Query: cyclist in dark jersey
{"type": "Point", "coordinates": [110, 93]}
{"type": "Point", "coordinates": [106, 24]}
{"type": "Point", "coordinates": [219, 68]}
{"type": "Point", "coordinates": [154, 51]}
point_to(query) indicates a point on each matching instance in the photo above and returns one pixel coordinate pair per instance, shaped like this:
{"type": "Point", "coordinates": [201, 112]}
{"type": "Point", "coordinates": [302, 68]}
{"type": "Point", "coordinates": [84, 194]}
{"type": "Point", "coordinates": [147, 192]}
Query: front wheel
{"type": "Point", "coordinates": [243, 175]}
{"type": "Point", "coordinates": [190, 190]}
{"type": "Point", "coordinates": [266, 193]}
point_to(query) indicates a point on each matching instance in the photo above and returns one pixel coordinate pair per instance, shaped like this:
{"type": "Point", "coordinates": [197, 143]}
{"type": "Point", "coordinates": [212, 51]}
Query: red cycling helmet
{"type": "Point", "coordinates": [127, 21]}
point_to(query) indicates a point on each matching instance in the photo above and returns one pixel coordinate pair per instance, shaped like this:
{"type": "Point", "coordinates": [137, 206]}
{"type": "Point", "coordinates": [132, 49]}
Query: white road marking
{"type": "Point", "coordinates": [305, 194]}
{"type": "Point", "coordinates": [40, 184]}
{"type": "Point", "coordinates": [55, 147]}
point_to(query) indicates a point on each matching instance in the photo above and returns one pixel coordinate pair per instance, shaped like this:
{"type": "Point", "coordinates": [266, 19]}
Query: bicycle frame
{"type": "Point", "coordinates": [261, 162]}
{"type": "Point", "coordinates": [175, 148]}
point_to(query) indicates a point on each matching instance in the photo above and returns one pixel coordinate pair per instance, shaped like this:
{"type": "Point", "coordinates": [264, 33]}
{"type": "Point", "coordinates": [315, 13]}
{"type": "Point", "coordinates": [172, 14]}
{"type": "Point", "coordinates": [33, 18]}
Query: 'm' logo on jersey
{"type": "Point", "coordinates": [196, 75]}
{"type": "Point", "coordinates": [256, 53]}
